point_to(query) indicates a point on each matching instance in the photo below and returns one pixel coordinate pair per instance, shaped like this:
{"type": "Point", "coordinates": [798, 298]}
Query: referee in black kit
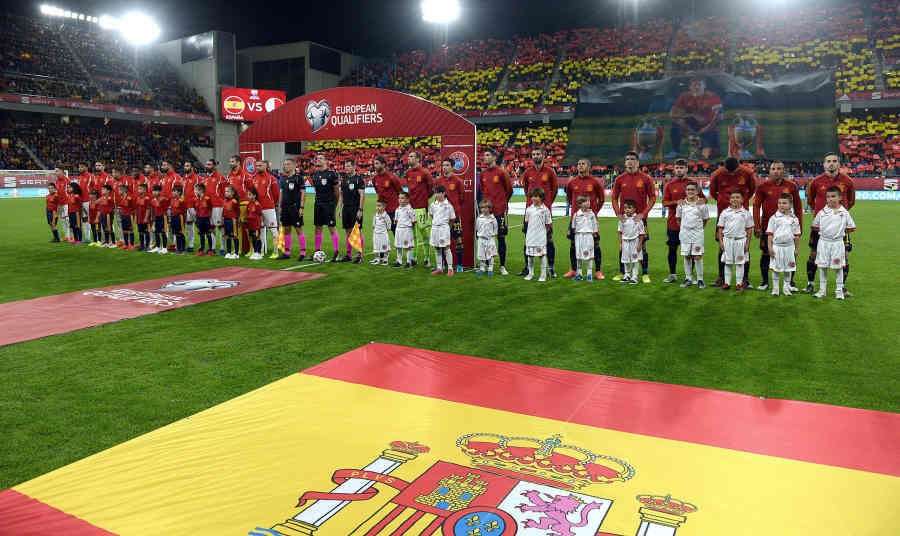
{"type": "Point", "coordinates": [353, 199]}
{"type": "Point", "coordinates": [328, 195]}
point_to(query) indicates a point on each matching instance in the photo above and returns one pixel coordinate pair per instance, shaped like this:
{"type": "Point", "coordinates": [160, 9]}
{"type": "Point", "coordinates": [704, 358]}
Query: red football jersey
{"type": "Point", "coordinates": [142, 208]}
{"type": "Point", "coordinates": [455, 193]}
{"type": "Point", "coordinates": [496, 187]}
{"type": "Point", "coordinates": [589, 186]}
{"type": "Point", "coordinates": [267, 189]}
{"type": "Point", "coordinates": [204, 206]}
{"type": "Point", "coordinates": [231, 209]}
{"type": "Point", "coordinates": [93, 210]}
{"type": "Point", "coordinates": [766, 201]}
{"type": "Point", "coordinates": [86, 181]}
{"type": "Point", "coordinates": [52, 201]}
{"type": "Point", "coordinates": [706, 105]}
{"type": "Point", "coordinates": [815, 191]}
{"type": "Point", "coordinates": [238, 181]}
{"type": "Point", "coordinates": [723, 182]}
{"type": "Point", "coordinates": [190, 181]}
{"type": "Point", "coordinates": [637, 186]}
{"type": "Point", "coordinates": [126, 205]}
{"type": "Point", "coordinates": [420, 186]}
{"type": "Point", "coordinates": [215, 188]}
{"type": "Point", "coordinates": [673, 192]}
{"type": "Point", "coordinates": [179, 206]}
{"type": "Point", "coordinates": [160, 205]}
{"type": "Point", "coordinates": [107, 205]}
{"type": "Point", "coordinates": [254, 215]}
{"type": "Point", "coordinates": [169, 181]}
{"type": "Point", "coordinates": [388, 188]}
{"type": "Point", "coordinates": [544, 178]}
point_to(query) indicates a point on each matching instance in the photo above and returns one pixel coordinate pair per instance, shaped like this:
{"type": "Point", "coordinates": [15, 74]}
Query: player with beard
{"type": "Point", "coordinates": [190, 179]}
{"type": "Point", "coordinates": [815, 199]}
{"type": "Point", "coordinates": [673, 196]}
{"type": "Point", "coordinates": [453, 187]}
{"type": "Point", "coordinates": [729, 177]}
{"type": "Point", "coordinates": [86, 181]}
{"type": "Point", "coordinates": [387, 188]}
{"type": "Point", "coordinates": [419, 185]}
{"type": "Point", "coordinates": [765, 205]}
{"type": "Point", "coordinates": [542, 176]}
{"type": "Point", "coordinates": [584, 184]}
{"type": "Point", "coordinates": [238, 180]}
{"type": "Point", "coordinates": [328, 197]}
{"type": "Point", "coordinates": [496, 187]}
{"type": "Point", "coordinates": [214, 183]}
{"type": "Point", "coordinates": [169, 181]}
{"type": "Point", "coordinates": [268, 195]}
{"type": "Point", "coordinates": [353, 199]}
{"type": "Point", "coordinates": [638, 186]}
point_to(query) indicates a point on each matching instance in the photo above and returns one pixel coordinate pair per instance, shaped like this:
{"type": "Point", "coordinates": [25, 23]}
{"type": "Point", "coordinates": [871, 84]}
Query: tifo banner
{"type": "Point", "coordinates": [51, 315]}
{"type": "Point", "coordinates": [84, 105]}
{"type": "Point", "coordinates": [706, 116]}
{"type": "Point", "coordinates": [386, 440]}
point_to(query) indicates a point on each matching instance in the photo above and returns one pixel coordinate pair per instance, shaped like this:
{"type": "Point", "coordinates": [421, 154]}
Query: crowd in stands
{"type": "Point", "coordinates": [36, 58]}
{"type": "Point", "coordinates": [81, 139]}
{"type": "Point", "coordinates": [364, 151]}
{"type": "Point", "coordinates": [870, 144]}
{"type": "Point", "coordinates": [700, 45]}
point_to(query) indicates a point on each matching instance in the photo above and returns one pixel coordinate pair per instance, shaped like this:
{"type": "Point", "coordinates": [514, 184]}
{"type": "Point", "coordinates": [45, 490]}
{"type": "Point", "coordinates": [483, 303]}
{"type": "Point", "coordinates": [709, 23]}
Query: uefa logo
{"type": "Point", "coordinates": [460, 162]}
{"type": "Point", "coordinates": [250, 164]}
{"type": "Point", "coordinates": [317, 114]}
{"type": "Point", "coordinates": [195, 285]}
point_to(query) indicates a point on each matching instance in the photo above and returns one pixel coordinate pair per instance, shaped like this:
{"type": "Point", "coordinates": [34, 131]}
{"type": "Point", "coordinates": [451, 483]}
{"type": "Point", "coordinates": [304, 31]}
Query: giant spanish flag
{"type": "Point", "coordinates": [391, 441]}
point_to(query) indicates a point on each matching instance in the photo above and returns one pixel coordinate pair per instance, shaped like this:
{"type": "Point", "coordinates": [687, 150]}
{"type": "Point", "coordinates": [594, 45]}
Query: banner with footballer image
{"type": "Point", "coordinates": [705, 116]}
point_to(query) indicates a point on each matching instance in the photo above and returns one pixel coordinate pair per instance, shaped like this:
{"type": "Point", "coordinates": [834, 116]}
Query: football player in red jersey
{"type": "Point", "coordinates": [638, 186]}
{"type": "Point", "coordinates": [815, 199]}
{"type": "Point", "coordinates": [190, 179]}
{"type": "Point", "coordinates": [765, 205]}
{"type": "Point", "coordinates": [541, 176]}
{"type": "Point", "coordinates": [495, 186]}
{"type": "Point", "coordinates": [587, 185]}
{"type": "Point", "coordinates": [52, 206]}
{"type": "Point", "coordinates": [729, 177]}
{"type": "Point", "coordinates": [696, 112]}
{"type": "Point", "coordinates": [419, 184]}
{"type": "Point", "coordinates": [674, 193]}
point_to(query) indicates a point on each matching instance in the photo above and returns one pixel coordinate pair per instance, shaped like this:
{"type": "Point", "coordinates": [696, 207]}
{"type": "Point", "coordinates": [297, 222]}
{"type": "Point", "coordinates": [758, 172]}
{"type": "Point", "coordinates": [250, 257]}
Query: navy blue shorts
{"type": "Point", "coordinates": [126, 223]}
{"type": "Point", "coordinates": [159, 224]}
{"type": "Point", "coordinates": [176, 224]}
{"type": "Point", "coordinates": [203, 225]}
{"type": "Point", "coordinates": [230, 225]}
{"type": "Point", "coordinates": [51, 217]}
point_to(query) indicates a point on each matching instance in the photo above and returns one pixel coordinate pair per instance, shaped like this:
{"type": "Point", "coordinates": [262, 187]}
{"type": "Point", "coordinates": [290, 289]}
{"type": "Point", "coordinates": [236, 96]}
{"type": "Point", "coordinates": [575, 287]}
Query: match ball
{"type": "Point", "coordinates": [319, 256]}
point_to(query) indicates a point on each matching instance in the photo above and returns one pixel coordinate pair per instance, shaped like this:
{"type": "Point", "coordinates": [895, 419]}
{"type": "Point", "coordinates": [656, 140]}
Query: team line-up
{"type": "Point", "coordinates": [167, 210]}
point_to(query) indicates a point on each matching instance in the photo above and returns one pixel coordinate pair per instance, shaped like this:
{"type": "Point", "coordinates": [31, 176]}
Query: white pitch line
{"type": "Point", "coordinates": [316, 263]}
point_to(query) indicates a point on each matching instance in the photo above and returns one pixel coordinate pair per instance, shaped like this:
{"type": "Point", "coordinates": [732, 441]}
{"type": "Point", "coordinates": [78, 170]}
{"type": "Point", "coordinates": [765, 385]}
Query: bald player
{"type": "Point", "coordinates": [674, 193]}
{"type": "Point", "coordinates": [729, 177]}
{"type": "Point", "coordinates": [587, 185]}
{"type": "Point", "coordinates": [815, 199]}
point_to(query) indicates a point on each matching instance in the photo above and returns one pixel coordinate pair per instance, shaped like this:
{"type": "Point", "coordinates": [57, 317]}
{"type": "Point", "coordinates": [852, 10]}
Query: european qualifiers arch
{"type": "Point", "coordinates": [364, 112]}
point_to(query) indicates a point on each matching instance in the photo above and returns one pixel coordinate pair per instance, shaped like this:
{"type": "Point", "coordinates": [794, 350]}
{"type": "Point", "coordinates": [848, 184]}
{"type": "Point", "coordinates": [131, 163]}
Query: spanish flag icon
{"type": "Point", "coordinates": [388, 440]}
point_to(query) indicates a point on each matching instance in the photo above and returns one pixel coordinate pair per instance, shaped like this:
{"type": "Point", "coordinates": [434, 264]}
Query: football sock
{"type": "Point", "coordinates": [263, 233]}
{"type": "Point", "coordinates": [598, 256]}
{"type": "Point", "coordinates": [77, 232]}
{"type": "Point", "coordinates": [839, 278]}
{"type": "Point", "coordinates": [645, 262]}
{"type": "Point", "coordinates": [301, 240]}
{"type": "Point", "coordinates": [410, 257]}
{"type": "Point", "coordinates": [551, 253]}
{"type": "Point", "coordinates": [739, 277]}
{"type": "Point", "coordinates": [130, 238]}
{"type": "Point", "coordinates": [165, 240]}
{"type": "Point", "coordinates": [745, 272]}
{"type": "Point", "coordinates": [571, 254]}
{"type": "Point", "coordinates": [490, 264]}
{"type": "Point", "coordinates": [845, 272]}
{"type": "Point", "coordinates": [580, 266]}
{"type": "Point", "coordinates": [530, 265]}
{"type": "Point", "coordinates": [228, 246]}
{"type": "Point", "coordinates": [722, 269]}
{"type": "Point", "coordinates": [180, 241]}
{"type": "Point", "coordinates": [318, 241]}
{"type": "Point", "coordinates": [775, 280]}
{"type": "Point", "coordinates": [621, 264]}
{"type": "Point", "coordinates": [289, 238]}
{"type": "Point", "coordinates": [590, 267]}
{"type": "Point", "coordinates": [202, 243]}
{"type": "Point", "coordinates": [811, 271]}
{"type": "Point", "coordinates": [764, 268]}
{"type": "Point", "coordinates": [634, 270]}
{"type": "Point", "coordinates": [439, 258]}
{"type": "Point", "coordinates": [501, 249]}
{"type": "Point", "coordinates": [190, 236]}
{"type": "Point", "coordinates": [698, 267]}
{"type": "Point", "coordinates": [55, 234]}
{"type": "Point", "coordinates": [275, 240]}
{"type": "Point", "coordinates": [727, 274]}
{"type": "Point", "coordinates": [687, 269]}
{"type": "Point", "coordinates": [347, 244]}
{"type": "Point", "coordinates": [672, 259]}
{"type": "Point", "coordinates": [448, 254]}
{"type": "Point", "coordinates": [525, 255]}
{"type": "Point", "coordinates": [544, 266]}
{"type": "Point", "coordinates": [257, 245]}
{"type": "Point", "coordinates": [823, 279]}
{"type": "Point", "coordinates": [335, 243]}
{"type": "Point", "coordinates": [459, 253]}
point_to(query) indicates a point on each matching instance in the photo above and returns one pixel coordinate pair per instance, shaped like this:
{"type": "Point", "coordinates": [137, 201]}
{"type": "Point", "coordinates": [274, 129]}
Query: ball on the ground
{"type": "Point", "coordinates": [319, 256]}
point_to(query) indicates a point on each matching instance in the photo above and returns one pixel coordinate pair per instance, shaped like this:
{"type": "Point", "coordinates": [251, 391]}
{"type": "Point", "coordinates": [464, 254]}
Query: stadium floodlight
{"type": "Point", "coordinates": [81, 16]}
{"type": "Point", "coordinates": [440, 11]}
{"type": "Point", "coordinates": [139, 29]}
{"type": "Point", "coordinates": [108, 22]}
{"type": "Point", "coordinates": [47, 10]}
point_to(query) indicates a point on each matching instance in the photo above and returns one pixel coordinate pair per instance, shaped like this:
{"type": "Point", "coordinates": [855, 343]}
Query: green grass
{"type": "Point", "coordinates": [71, 395]}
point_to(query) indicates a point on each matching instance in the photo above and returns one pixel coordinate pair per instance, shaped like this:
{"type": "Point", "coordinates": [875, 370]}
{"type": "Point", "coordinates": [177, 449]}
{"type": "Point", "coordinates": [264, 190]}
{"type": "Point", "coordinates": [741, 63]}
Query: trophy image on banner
{"type": "Point", "coordinates": [743, 133]}
{"type": "Point", "coordinates": [647, 139]}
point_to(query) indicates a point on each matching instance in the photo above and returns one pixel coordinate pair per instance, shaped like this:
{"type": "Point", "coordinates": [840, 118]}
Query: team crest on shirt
{"type": "Point", "coordinates": [418, 179]}
{"type": "Point", "coordinates": [634, 255]}
{"type": "Point", "coordinates": [696, 248]}
{"type": "Point", "coordinates": [387, 183]}
{"type": "Point", "coordinates": [443, 241]}
{"type": "Point", "coordinates": [837, 260]}
{"type": "Point", "coordinates": [194, 285]}
{"type": "Point", "coordinates": [324, 182]}
{"type": "Point", "coordinates": [452, 187]}
{"type": "Point", "coordinates": [406, 242]}
{"type": "Point", "coordinates": [589, 188]}
{"type": "Point", "coordinates": [540, 250]}
{"type": "Point", "coordinates": [791, 264]}
{"type": "Point", "coordinates": [740, 257]}
{"type": "Point", "coordinates": [787, 190]}
{"type": "Point", "coordinates": [496, 179]}
{"type": "Point", "coordinates": [585, 253]}
{"type": "Point", "coordinates": [640, 183]}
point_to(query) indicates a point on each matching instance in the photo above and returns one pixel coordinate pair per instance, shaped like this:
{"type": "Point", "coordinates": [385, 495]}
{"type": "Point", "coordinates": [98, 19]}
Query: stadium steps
{"type": "Point", "coordinates": [878, 63]}
{"type": "Point", "coordinates": [74, 53]}
{"type": "Point", "coordinates": [667, 66]}
{"type": "Point", "coordinates": [504, 79]}
{"type": "Point", "coordinates": [31, 154]}
{"type": "Point", "coordinates": [554, 76]}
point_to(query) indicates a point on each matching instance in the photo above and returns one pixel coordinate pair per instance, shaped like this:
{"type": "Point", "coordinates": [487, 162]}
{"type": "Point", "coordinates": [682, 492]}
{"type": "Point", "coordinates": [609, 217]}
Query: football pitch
{"type": "Point", "coordinates": [68, 396]}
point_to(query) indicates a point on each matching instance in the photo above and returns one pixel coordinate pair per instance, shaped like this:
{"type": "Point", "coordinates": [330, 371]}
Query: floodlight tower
{"type": "Point", "coordinates": [440, 13]}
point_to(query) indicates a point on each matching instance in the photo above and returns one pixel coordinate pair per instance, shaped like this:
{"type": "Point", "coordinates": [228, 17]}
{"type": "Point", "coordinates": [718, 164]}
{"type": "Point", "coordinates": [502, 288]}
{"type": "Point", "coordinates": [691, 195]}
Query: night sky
{"type": "Point", "coordinates": [379, 27]}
